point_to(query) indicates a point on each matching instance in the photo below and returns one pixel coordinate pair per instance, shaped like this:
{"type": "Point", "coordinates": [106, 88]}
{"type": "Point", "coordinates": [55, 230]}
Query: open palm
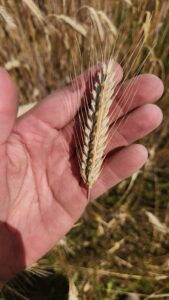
{"type": "Point", "coordinates": [41, 192]}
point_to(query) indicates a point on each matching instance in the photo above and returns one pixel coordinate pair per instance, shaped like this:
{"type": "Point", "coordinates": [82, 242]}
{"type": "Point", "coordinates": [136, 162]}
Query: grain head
{"type": "Point", "coordinates": [95, 129]}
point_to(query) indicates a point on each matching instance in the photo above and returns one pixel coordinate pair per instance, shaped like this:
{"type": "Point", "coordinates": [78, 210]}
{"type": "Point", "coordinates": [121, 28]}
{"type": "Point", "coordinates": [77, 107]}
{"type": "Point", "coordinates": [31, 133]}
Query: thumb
{"type": "Point", "coordinates": [8, 105]}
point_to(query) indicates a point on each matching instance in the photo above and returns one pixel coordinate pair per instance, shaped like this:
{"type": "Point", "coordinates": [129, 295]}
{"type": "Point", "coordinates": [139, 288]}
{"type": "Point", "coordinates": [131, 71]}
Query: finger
{"type": "Point", "coordinates": [137, 124]}
{"type": "Point", "coordinates": [59, 108]}
{"type": "Point", "coordinates": [8, 105]}
{"type": "Point", "coordinates": [146, 88]}
{"type": "Point", "coordinates": [119, 166]}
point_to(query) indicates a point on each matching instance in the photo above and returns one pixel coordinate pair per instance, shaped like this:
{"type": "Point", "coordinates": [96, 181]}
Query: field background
{"type": "Point", "coordinates": [121, 244]}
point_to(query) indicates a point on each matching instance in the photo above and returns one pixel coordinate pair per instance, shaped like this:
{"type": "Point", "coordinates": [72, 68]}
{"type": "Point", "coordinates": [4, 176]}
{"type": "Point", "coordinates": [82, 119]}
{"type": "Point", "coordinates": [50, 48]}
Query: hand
{"type": "Point", "coordinates": [41, 192]}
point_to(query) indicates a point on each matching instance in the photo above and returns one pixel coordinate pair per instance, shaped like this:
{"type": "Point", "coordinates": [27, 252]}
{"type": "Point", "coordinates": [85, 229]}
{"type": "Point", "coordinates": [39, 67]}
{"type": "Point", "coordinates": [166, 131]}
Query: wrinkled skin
{"type": "Point", "coordinates": [41, 192]}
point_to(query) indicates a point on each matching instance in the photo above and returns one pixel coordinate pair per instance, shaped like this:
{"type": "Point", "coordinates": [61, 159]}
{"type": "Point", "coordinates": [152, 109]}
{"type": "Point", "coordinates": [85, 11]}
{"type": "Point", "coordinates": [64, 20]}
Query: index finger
{"type": "Point", "coordinates": [60, 107]}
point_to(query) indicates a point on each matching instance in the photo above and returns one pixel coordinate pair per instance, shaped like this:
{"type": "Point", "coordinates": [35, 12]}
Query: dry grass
{"type": "Point", "coordinates": [121, 244]}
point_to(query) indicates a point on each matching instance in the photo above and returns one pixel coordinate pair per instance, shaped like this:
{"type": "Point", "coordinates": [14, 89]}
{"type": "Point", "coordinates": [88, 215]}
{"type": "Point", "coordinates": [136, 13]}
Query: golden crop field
{"type": "Point", "coordinates": [120, 246]}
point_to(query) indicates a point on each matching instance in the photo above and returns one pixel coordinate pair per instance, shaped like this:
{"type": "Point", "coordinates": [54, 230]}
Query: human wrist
{"type": "Point", "coordinates": [12, 259]}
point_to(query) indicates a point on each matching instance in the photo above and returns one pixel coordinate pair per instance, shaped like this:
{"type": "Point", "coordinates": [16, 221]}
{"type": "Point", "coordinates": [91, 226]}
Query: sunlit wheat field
{"type": "Point", "coordinates": [120, 246]}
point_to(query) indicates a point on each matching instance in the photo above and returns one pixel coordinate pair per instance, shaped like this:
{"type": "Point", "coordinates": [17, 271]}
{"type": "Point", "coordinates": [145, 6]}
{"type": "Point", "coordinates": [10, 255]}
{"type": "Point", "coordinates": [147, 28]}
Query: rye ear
{"type": "Point", "coordinates": [95, 129]}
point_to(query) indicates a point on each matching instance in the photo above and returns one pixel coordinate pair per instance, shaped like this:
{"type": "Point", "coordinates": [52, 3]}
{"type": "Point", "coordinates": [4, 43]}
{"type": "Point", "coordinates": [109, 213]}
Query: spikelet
{"type": "Point", "coordinates": [95, 130]}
